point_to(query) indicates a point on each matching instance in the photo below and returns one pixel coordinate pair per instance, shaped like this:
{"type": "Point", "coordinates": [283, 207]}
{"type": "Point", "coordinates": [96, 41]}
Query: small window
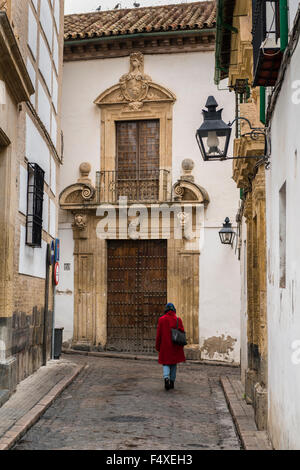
{"type": "Point", "coordinates": [35, 197]}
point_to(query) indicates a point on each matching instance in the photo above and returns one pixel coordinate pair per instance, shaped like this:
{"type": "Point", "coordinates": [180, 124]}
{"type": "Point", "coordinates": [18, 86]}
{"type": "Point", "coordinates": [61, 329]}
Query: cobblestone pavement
{"type": "Point", "coordinates": [118, 404]}
{"type": "Point", "coordinates": [31, 390]}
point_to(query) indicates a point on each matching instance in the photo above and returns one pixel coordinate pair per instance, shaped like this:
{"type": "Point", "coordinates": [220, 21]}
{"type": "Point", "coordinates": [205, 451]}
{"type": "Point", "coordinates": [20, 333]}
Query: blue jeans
{"type": "Point", "coordinates": [170, 372]}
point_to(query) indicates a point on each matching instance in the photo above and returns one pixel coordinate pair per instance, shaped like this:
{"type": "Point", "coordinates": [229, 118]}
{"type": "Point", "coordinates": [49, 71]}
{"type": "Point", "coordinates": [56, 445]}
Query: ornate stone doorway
{"type": "Point", "coordinates": [136, 293]}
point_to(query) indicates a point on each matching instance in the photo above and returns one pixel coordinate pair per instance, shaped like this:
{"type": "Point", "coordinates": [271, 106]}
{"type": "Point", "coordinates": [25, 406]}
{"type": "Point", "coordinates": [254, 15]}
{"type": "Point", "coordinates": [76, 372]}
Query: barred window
{"type": "Point", "coordinates": [35, 197]}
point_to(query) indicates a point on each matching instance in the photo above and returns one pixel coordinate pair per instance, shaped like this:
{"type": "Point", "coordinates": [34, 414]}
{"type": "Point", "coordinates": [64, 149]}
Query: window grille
{"type": "Point", "coordinates": [35, 197]}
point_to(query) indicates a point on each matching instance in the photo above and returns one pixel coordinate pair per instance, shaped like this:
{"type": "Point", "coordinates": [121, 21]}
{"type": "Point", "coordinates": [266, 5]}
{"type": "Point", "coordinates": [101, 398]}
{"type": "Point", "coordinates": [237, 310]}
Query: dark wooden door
{"type": "Point", "coordinates": [137, 293]}
{"type": "Point", "coordinates": [137, 165]}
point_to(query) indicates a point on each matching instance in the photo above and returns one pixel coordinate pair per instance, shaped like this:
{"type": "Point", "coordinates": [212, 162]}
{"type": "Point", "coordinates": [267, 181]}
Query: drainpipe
{"type": "Point", "coordinates": [284, 30]}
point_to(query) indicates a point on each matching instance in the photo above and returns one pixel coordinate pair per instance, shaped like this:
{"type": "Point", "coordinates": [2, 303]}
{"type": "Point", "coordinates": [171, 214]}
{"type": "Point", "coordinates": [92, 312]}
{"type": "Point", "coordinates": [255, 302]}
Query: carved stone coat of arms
{"type": "Point", "coordinates": [135, 84]}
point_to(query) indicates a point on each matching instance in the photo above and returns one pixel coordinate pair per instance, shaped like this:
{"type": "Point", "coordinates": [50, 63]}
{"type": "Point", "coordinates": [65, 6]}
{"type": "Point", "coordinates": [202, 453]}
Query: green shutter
{"type": "Point", "coordinates": [262, 104]}
{"type": "Point", "coordinates": [284, 28]}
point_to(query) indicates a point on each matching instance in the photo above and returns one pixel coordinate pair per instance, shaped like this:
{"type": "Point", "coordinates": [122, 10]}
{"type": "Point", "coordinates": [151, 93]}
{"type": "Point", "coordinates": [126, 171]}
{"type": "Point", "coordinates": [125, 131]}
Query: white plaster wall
{"type": "Point", "coordinates": [293, 6]}
{"type": "Point", "coordinates": [23, 190]}
{"type": "Point", "coordinates": [55, 92]}
{"type": "Point", "coordinates": [64, 300]}
{"type": "Point", "coordinates": [46, 212]}
{"type": "Point", "coordinates": [53, 176]}
{"type": "Point", "coordinates": [35, 3]}
{"type": "Point", "coordinates": [36, 148]}
{"type": "Point", "coordinates": [190, 77]}
{"type": "Point", "coordinates": [32, 261]}
{"type": "Point", "coordinates": [46, 21]}
{"type": "Point", "coordinates": [284, 303]}
{"type": "Point", "coordinates": [45, 64]}
{"type": "Point", "coordinates": [55, 51]}
{"type": "Point", "coordinates": [32, 74]}
{"type": "Point", "coordinates": [52, 223]}
{"type": "Point", "coordinates": [56, 13]}
{"type": "Point", "coordinates": [219, 315]}
{"type": "Point", "coordinates": [244, 301]}
{"type": "Point", "coordinates": [44, 108]}
{"type": "Point", "coordinates": [32, 32]}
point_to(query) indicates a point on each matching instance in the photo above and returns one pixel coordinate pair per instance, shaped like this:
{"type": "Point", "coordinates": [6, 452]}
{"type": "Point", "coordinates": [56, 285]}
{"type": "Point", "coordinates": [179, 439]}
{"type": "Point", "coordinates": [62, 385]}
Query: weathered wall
{"type": "Point", "coordinates": [190, 77]}
{"type": "Point", "coordinates": [64, 301]}
{"type": "Point", "coordinates": [34, 133]}
{"type": "Point", "coordinates": [284, 303]}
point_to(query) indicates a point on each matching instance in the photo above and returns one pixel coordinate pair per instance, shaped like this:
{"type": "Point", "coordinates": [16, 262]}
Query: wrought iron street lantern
{"type": "Point", "coordinates": [227, 234]}
{"type": "Point", "coordinates": [213, 136]}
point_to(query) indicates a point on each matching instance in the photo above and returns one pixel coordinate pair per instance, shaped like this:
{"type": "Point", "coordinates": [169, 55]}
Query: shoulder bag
{"type": "Point", "coordinates": [178, 337]}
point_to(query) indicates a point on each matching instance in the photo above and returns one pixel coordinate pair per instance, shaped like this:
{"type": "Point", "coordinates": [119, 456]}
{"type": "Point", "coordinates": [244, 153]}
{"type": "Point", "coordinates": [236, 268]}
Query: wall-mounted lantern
{"type": "Point", "coordinates": [227, 234]}
{"type": "Point", "coordinates": [213, 136]}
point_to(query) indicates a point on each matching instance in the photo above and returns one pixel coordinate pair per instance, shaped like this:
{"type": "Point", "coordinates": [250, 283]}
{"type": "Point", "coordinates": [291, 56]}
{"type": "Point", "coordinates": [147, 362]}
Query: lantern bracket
{"type": "Point", "coordinates": [254, 134]}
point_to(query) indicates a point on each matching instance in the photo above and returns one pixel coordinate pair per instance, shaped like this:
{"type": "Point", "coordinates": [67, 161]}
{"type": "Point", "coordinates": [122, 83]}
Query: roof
{"type": "Point", "coordinates": [179, 17]}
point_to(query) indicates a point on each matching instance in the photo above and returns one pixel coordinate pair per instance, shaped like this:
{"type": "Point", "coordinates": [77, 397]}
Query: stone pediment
{"type": "Point", "coordinates": [135, 88]}
{"type": "Point", "coordinates": [76, 194]}
{"type": "Point", "coordinates": [81, 193]}
{"type": "Point", "coordinates": [186, 190]}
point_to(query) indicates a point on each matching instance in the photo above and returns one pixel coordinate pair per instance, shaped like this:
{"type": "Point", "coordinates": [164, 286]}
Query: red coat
{"type": "Point", "coordinates": [169, 353]}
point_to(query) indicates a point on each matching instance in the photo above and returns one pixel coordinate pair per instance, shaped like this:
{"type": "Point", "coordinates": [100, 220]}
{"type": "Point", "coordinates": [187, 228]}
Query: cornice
{"type": "Point", "coordinates": [12, 64]}
{"type": "Point", "coordinates": [147, 43]}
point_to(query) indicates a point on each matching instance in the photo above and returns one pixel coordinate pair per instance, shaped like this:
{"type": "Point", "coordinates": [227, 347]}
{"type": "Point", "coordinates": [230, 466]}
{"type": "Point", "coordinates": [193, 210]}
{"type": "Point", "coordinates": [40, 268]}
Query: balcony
{"type": "Point", "coordinates": [138, 186]}
{"type": "Point", "coordinates": [267, 55]}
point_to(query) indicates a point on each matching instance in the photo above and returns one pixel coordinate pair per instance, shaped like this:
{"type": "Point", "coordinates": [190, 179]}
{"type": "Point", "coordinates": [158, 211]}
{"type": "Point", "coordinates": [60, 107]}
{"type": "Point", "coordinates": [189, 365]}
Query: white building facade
{"type": "Point", "coordinates": [283, 279]}
{"type": "Point", "coordinates": [31, 58]}
{"type": "Point", "coordinates": [102, 103]}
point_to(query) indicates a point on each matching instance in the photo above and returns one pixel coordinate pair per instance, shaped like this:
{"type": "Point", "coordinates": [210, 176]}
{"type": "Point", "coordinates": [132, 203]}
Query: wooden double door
{"type": "Point", "coordinates": [137, 293]}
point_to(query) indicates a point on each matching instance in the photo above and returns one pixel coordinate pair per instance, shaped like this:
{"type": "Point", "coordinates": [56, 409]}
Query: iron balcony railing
{"type": "Point", "coordinates": [137, 186]}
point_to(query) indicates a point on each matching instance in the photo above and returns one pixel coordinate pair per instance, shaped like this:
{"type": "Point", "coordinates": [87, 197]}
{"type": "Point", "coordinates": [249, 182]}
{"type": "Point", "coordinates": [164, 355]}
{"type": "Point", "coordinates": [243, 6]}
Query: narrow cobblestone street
{"type": "Point", "coordinates": [118, 404]}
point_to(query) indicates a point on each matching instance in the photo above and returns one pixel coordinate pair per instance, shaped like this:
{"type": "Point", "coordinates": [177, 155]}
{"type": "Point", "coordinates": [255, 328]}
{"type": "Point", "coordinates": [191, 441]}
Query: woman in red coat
{"type": "Point", "coordinates": [170, 354]}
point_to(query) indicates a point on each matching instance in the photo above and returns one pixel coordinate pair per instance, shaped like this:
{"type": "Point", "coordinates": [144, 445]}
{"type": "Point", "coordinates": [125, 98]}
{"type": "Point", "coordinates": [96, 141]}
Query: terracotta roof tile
{"type": "Point", "coordinates": [196, 15]}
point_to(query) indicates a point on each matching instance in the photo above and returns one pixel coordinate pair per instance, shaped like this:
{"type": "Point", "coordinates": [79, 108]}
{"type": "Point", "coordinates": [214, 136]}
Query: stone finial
{"type": "Point", "coordinates": [85, 169]}
{"type": "Point", "coordinates": [187, 166]}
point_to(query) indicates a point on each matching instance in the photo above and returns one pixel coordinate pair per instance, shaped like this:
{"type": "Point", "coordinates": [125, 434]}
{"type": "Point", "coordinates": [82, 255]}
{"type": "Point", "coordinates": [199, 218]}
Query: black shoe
{"type": "Point", "coordinates": [167, 384]}
{"type": "Point", "coordinates": [172, 384]}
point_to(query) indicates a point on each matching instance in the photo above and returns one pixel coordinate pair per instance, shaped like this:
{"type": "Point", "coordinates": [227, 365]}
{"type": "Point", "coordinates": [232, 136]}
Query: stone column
{"type": "Point", "coordinates": [251, 373]}
{"type": "Point", "coordinates": [260, 392]}
{"type": "Point", "coordinates": [183, 286]}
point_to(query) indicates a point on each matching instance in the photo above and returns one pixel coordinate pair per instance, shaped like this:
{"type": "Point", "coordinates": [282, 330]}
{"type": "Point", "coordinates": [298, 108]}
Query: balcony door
{"type": "Point", "coordinates": [137, 164]}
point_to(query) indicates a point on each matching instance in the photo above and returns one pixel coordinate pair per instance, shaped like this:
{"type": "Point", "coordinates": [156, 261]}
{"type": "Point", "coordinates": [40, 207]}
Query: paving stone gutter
{"type": "Point", "coordinates": [32, 398]}
{"type": "Point", "coordinates": [243, 416]}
